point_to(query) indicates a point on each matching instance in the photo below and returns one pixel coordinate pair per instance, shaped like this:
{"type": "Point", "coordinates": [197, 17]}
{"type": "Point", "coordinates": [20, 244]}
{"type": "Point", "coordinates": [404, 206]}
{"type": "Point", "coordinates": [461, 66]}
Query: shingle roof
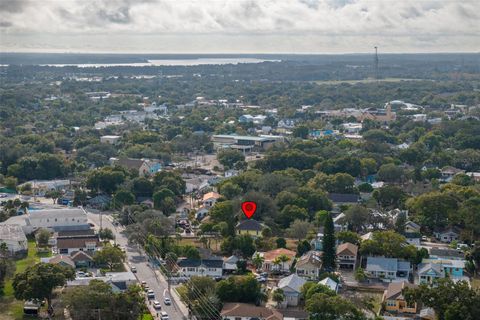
{"type": "Point", "coordinates": [77, 242]}
{"type": "Point", "coordinates": [249, 311]}
{"type": "Point", "coordinates": [425, 267]}
{"type": "Point", "coordinates": [130, 163]}
{"type": "Point", "coordinates": [209, 195]}
{"type": "Point", "coordinates": [62, 258]}
{"type": "Point", "coordinates": [347, 248]}
{"type": "Point", "coordinates": [312, 257]}
{"type": "Point", "coordinates": [394, 290]}
{"type": "Point", "coordinates": [292, 281]}
{"type": "Point", "coordinates": [249, 224]}
{"type": "Point", "coordinates": [209, 263]}
{"type": "Point", "coordinates": [447, 253]}
{"type": "Point", "coordinates": [80, 256]}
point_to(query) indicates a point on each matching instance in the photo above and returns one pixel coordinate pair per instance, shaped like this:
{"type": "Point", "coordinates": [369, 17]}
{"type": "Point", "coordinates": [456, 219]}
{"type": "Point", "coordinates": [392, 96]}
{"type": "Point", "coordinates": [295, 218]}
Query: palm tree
{"type": "Point", "coordinates": [277, 262]}
{"type": "Point", "coordinates": [257, 261]}
{"type": "Point", "coordinates": [283, 258]}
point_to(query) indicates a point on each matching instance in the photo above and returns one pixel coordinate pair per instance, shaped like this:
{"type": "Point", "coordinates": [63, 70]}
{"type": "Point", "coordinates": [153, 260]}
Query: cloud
{"type": "Point", "coordinates": [322, 22]}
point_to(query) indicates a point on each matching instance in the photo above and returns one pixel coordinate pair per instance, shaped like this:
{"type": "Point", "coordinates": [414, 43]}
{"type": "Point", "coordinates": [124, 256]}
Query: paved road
{"type": "Point", "coordinates": [155, 280]}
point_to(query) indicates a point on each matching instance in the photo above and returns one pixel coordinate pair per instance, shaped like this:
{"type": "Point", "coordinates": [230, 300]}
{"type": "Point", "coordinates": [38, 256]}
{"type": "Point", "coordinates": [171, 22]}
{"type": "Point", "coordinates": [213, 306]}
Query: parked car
{"type": "Point", "coordinates": [143, 284]}
{"type": "Point", "coordinates": [146, 287]}
{"type": "Point", "coordinates": [163, 315]}
{"type": "Point", "coordinates": [133, 269]}
{"type": "Point", "coordinates": [157, 305]}
{"type": "Point", "coordinates": [150, 294]}
{"type": "Point", "coordinates": [167, 301]}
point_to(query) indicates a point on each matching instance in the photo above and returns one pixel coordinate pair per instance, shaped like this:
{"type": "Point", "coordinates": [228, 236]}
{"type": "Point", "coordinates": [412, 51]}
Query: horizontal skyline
{"type": "Point", "coordinates": [239, 26]}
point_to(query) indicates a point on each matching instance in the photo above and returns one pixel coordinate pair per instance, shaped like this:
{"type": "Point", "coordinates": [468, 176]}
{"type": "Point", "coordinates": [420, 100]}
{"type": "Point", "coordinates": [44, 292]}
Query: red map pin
{"type": "Point", "coordinates": [248, 208]}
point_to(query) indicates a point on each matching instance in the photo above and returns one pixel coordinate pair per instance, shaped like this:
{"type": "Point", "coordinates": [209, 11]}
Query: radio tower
{"type": "Point", "coordinates": [376, 63]}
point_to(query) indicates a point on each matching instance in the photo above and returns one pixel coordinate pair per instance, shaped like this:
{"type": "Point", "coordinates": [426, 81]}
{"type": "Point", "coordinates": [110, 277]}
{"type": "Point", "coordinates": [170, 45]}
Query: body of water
{"type": "Point", "coordinates": [168, 62]}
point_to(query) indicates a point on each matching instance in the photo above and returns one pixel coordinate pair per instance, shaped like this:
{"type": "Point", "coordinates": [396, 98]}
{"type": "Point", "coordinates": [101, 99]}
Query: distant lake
{"type": "Point", "coordinates": [168, 62]}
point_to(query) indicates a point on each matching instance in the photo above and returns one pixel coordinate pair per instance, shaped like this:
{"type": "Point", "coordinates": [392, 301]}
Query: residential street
{"type": "Point", "coordinates": [154, 280]}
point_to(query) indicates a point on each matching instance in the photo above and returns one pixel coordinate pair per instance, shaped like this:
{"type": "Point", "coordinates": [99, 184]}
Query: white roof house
{"type": "Point", "coordinates": [291, 286]}
{"type": "Point", "coordinates": [56, 219]}
{"type": "Point", "coordinates": [331, 284]}
{"type": "Point", "coordinates": [14, 237]}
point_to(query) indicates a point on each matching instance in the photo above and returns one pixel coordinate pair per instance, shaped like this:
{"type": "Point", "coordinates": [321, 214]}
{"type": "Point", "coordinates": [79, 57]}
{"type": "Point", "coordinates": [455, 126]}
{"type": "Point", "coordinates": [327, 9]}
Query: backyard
{"type": "Point", "coordinates": [12, 308]}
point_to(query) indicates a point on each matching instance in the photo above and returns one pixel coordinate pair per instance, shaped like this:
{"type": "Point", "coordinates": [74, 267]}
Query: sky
{"type": "Point", "coordinates": [239, 26]}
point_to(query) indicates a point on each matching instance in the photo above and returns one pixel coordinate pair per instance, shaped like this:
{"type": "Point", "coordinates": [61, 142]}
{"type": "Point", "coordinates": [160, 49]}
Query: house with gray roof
{"type": "Point", "coordinates": [14, 237]}
{"type": "Point", "coordinates": [388, 269]}
{"type": "Point", "coordinates": [212, 267]}
{"type": "Point", "coordinates": [291, 286]}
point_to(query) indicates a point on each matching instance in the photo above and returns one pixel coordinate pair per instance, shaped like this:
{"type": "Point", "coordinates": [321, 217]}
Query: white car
{"type": "Point", "coordinates": [163, 315]}
{"type": "Point", "coordinates": [133, 269]}
{"type": "Point", "coordinates": [150, 294]}
{"type": "Point", "coordinates": [157, 305]}
{"type": "Point", "coordinates": [167, 301]}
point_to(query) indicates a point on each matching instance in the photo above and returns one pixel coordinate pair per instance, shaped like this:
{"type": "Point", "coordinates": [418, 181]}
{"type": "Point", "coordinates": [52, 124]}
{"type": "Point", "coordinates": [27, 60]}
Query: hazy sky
{"type": "Point", "coordinates": [246, 26]}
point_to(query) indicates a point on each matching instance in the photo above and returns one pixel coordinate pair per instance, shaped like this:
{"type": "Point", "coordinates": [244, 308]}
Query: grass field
{"type": "Point", "coordinates": [11, 308]}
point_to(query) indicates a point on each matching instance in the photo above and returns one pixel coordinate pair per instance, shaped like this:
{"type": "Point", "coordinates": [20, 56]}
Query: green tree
{"type": "Point", "coordinates": [105, 179]}
{"type": "Point", "coordinates": [290, 213]}
{"type": "Point", "coordinates": [357, 217]}
{"type": "Point", "coordinates": [390, 196]}
{"type": "Point", "coordinates": [240, 289]}
{"type": "Point", "coordinates": [278, 296]}
{"type": "Point", "coordinates": [348, 236]}
{"type": "Point", "coordinates": [390, 173]}
{"type": "Point", "coordinates": [299, 229]}
{"type": "Point", "coordinates": [160, 195]}
{"type": "Point", "coordinates": [110, 256]}
{"type": "Point", "coordinates": [450, 300]}
{"type": "Point", "coordinates": [39, 281]}
{"type": "Point", "coordinates": [329, 252]}
{"type": "Point", "coordinates": [303, 247]}
{"type": "Point", "coordinates": [230, 190]}
{"type": "Point", "coordinates": [229, 157]}
{"type": "Point", "coordinates": [325, 307]}
{"type": "Point", "coordinates": [300, 132]}
{"type": "Point", "coordinates": [281, 242]}
{"type": "Point", "coordinates": [42, 236]}
{"type": "Point", "coordinates": [106, 234]}
{"type": "Point", "coordinates": [123, 197]}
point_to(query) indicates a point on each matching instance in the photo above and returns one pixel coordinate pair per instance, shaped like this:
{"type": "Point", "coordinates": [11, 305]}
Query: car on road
{"type": "Point", "coordinates": [163, 315]}
{"type": "Point", "coordinates": [144, 284]}
{"type": "Point", "coordinates": [133, 269]}
{"type": "Point", "coordinates": [3, 195]}
{"type": "Point", "coordinates": [150, 294]}
{"type": "Point", "coordinates": [156, 304]}
{"type": "Point", "coordinates": [167, 301]}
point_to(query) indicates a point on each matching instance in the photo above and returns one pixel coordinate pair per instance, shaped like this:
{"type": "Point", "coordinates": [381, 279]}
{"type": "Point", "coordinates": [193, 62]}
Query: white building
{"type": "Point", "coordinates": [54, 219]}
{"type": "Point", "coordinates": [206, 267]}
{"type": "Point", "coordinates": [113, 140]}
{"type": "Point", "coordinates": [14, 237]}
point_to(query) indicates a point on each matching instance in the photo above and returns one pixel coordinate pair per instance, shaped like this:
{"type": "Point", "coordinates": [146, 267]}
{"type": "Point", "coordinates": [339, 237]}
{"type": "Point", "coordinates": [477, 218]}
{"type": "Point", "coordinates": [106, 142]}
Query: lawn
{"type": "Point", "coordinates": [11, 308]}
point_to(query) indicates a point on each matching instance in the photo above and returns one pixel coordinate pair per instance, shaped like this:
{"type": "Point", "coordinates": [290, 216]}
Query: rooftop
{"type": "Point", "coordinates": [394, 290]}
{"type": "Point", "coordinates": [57, 213]}
{"type": "Point", "coordinates": [292, 281]}
{"type": "Point", "coordinates": [245, 310]}
{"type": "Point", "coordinates": [249, 224]}
{"type": "Point", "coordinates": [272, 254]}
{"type": "Point", "coordinates": [347, 248]}
{"type": "Point", "coordinates": [12, 232]}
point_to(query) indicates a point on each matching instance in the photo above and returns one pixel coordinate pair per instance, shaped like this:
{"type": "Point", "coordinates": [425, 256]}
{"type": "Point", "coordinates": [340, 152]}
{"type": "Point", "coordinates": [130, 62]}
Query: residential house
{"type": "Point", "coordinates": [292, 287]}
{"type": "Point", "coordinates": [329, 283]}
{"type": "Point", "coordinates": [412, 227]}
{"type": "Point", "coordinates": [212, 267]}
{"type": "Point", "coordinates": [309, 265]}
{"type": "Point", "coordinates": [62, 260]}
{"type": "Point", "coordinates": [347, 256]}
{"type": "Point", "coordinates": [201, 213]}
{"type": "Point", "coordinates": [209, 199]}
{"type": "Point", "coordinates": [270, 257]}
{"type": "Point", "coordinates": [100, 202]}
{"type": "Point", "coordinates": [388, 269]}
{"type": "Point", "coordinates": [449, 172]}
{"type": "Point", "coordinates": [145, 167]}
{"type": "Point", "coordinates": [247, 118]}
{"type": "Point", "coordinates": [230, 264]}
{"type": "Point", "coordinates": [244, 311]}
{"type": "Point", "coordinates": [249, 227]}
{"type": "Point", "coordinates": [431, 269]}
{"type": "Point", "coordinates": [446, 254]}
{"type": "Point", "coordinates": [317, 242]}
{"type": "Point", "coordinates": [395, 302]}
{"type": "Point", "coordinates": [292, 314]}
{"type": "Point", "coordinates": [343, 198]}
{"type": "Point", "coordinates": [119, 281]}
{"type": "Point", "coordinates": [474, 175]}
{"type": "Point", "coordinates": [67, 245]}
{"type": "Point", "coordinates": [113, 140]}
{"type": "Point", "coordinates": [82, 259]}
{"type": "Point", "coordinates": [14, 237]}
{"type": "Point", "coordinates": [447, 235]}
